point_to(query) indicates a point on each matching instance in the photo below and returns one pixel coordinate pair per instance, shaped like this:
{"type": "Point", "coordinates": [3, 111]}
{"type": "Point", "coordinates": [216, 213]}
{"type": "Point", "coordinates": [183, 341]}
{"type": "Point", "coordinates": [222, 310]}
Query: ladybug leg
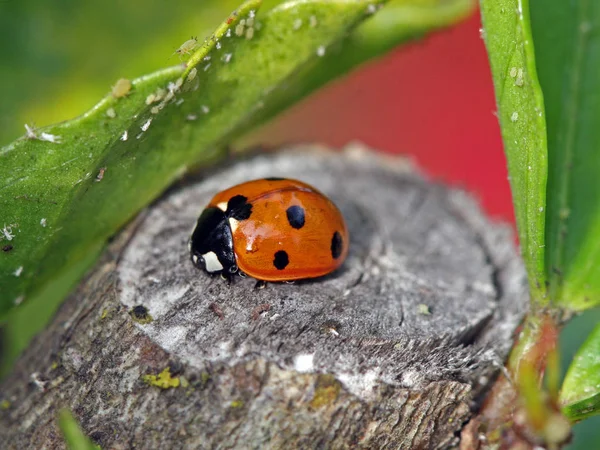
{"type": "Point", "coordinates": [260, 284]}
{"type": "Point", "coordinates": [227, 277]}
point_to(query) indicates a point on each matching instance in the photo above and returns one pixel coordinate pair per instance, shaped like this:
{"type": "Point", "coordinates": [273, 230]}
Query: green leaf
{"type": "Point", "coordinates": [551, 140]}
{"type": "Point", "coordinates": [74, 437]}
{"type": "Point", "coordinates": [507, 36]}
{"type": "Point", "coordinates": [61, 201]}
{"type": "Point", "coordinates": [580, 393]}
{"type": "Point", "coordinates": [567, 48]}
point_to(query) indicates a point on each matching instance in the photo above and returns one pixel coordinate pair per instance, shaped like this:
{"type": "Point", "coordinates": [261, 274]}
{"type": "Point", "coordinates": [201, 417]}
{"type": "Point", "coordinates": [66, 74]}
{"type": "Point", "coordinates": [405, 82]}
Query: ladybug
{"type": "Point", "coordinates": [272, 229]}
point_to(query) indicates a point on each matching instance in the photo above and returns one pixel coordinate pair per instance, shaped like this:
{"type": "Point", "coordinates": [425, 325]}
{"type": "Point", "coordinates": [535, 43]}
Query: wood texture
{"type": "Point", "coordinates": [394, 350]}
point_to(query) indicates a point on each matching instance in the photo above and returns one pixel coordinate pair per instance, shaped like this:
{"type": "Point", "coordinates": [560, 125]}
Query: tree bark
{"type": "Point", "coordinates": [394, 350]}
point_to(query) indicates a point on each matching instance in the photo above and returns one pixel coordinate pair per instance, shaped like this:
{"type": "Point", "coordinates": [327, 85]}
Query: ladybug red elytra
{"type": "Point", "coordinates": [272, 229]}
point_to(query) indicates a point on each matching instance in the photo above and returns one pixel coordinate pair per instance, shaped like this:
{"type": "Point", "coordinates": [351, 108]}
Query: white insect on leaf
{"type": "Point", "coordinates": [519, 80]}
{"type": "Point", "coordinates": [7, 232]}
{"type": "Point", "coordinates": [50, 138]}
{"type": "Point", "coordinates": [146, 124]}
{"type": "Point", "coordinates": [30, 132]}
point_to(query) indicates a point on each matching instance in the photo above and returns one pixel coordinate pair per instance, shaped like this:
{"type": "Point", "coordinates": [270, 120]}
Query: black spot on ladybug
{"type": "Point", "coordinates": [7, 248]}
{"type": "Point", "coordinates": [337, 244]}
{"type": "Point", "coordinates": [141, 314]}
{"type": "Point", "coordinates": [295, 216]}
{"type": "Point", "coordinates": [281, 260]}
{"type": "Point", "coordinates": [274, 179]}
{"type": "Point", "coordinates": [238, 208]}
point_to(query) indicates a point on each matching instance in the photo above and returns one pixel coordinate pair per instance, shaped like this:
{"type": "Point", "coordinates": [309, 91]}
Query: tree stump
{"type": "Point", "coordinates": [394, 350]}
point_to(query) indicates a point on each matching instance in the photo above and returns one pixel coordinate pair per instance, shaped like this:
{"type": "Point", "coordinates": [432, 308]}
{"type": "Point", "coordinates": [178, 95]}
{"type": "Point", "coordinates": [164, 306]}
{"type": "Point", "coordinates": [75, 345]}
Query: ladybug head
{"type": "Point", "coordinates": [211, 244]}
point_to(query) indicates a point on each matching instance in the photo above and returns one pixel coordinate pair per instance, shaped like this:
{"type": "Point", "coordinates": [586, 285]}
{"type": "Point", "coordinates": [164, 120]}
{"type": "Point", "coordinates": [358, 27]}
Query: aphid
{"type": "Point", "coordinates": [192, 74]}
{"type": "Point", "coordinates": [187, 47]}
{"type": "Point", "coordinates": [150, 99]}
{"type": "Point", "coordinates": [239, 29]}
{"type": "Point", "coordinates": [272, 229]}
{"type": "Point", "coordinates": [121, 88]}
{"type": "Point", "coordinates": [100, 174]}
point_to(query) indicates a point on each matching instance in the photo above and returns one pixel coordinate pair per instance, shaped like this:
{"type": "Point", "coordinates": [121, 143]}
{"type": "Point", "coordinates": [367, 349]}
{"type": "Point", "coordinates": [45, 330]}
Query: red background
{"type": "Point", "coordinates": [432, 101]}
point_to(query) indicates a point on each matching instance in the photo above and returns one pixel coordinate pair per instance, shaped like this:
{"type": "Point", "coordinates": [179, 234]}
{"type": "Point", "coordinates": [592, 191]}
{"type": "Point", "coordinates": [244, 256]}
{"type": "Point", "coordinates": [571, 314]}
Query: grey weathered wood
{"type": "Point", "coordinates": [348, 361]}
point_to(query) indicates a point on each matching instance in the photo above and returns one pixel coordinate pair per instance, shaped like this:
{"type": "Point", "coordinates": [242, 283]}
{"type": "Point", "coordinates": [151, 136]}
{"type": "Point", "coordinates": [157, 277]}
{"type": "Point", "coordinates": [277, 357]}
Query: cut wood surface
{"type": "Point", "coordinates": [393, 350]}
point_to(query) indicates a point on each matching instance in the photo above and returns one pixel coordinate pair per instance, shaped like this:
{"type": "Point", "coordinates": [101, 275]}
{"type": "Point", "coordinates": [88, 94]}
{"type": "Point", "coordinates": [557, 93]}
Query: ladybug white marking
{"type": "Point", "coordinates": [233, 224]}
{"type": "Point", "coordinates": [212, 263]}
{"type": "Point", "coordinates": [222, 206]}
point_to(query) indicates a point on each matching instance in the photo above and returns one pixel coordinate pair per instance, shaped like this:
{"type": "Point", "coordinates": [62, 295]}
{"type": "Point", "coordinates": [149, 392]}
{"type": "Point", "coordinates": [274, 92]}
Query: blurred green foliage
{"type": "Point", "coordinates": [586, 434]}
{"type": "Point", "coordinates": [60, 57]}
{"type": "Point", "coordinates": [74, 437]}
